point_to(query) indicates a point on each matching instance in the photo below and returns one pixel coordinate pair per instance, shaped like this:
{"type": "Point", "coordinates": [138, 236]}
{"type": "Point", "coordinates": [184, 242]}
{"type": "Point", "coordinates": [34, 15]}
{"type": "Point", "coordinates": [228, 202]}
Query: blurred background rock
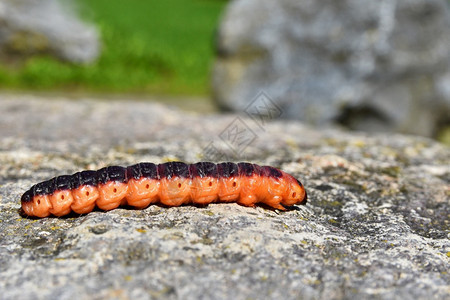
{"type": "Point", "coordinates": [367, 65]}
{"type": "Point", "coordinates": [31, 27]}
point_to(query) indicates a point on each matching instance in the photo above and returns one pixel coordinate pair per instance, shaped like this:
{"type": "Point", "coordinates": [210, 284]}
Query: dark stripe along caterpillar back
{"type": "Point", "coordinates": [171, 184]}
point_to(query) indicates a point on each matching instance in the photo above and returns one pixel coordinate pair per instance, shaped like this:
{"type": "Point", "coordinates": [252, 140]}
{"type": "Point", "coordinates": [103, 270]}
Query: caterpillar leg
{"type": "Point", "coordinates": [279, 207]}
{"type": "Point", "coordinates": [275, 202]}
{"type": "Point", "coordinates": [249, 200]}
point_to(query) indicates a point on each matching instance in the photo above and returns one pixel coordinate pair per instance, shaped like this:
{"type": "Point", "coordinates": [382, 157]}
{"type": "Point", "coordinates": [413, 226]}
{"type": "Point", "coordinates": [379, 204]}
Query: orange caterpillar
{"type": "Point", "coordinates": [171, 184]}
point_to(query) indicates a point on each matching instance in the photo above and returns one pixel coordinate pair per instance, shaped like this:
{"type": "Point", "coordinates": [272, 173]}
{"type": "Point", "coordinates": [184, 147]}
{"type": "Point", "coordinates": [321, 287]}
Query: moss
{"type": "Point", "coordinates": [28, 42]}
{"type": "Point", "coordinates": [99, 229]}
{"type": "Point", "coordinates": [350, 179]}
{"type": "Point", "coordinates": [392, 171]}
{"type": "Point", "coordinates": [325, 203]}
{"type": "Point", "coordinates": [389, 192]}
{"type": "Point", "coordinates": [336, 203]}
{"type": "Point", "coordinates": [204, 241]}
{"type": "Point", "coordinates": [59, 259]}
{"type": "Point", "coordinates": [292, 144]}
{"type": "Point", "coordinates": [444, 135]}
{"type": "Point", "coordinates": [403, 189]}
{"type": "Point", "coordinates": [174, 236]}
{"type": "Point", "coordinates": [359, 144]}
{"type": "Point", "coordinates": [35, 243]}
{"type": "Point", "coordinates": [314, 282]}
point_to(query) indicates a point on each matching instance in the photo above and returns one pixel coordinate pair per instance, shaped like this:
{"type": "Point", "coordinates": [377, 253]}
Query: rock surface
{"type": "Point", "coordinates": [376, 225]}
{"type": "Point", "coordinates": [46, 26]}
{"type": "Point", "coordinates": [370, 65]}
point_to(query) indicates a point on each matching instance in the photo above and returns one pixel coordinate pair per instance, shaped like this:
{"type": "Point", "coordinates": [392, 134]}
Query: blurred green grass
{"type": "Point", "coordinates": [156, 46]}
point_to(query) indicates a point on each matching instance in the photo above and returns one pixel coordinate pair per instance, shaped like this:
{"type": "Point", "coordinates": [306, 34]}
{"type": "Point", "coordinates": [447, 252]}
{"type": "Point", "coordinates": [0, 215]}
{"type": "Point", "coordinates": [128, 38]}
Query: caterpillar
{"type": "Point", "coordinates": [170, 184]}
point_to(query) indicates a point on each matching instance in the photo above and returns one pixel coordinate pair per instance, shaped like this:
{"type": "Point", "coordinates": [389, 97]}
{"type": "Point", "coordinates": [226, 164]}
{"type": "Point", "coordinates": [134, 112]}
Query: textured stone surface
{"type": "Point", "coordinates": [46, 26]}
{"type": "Point", "coordinates": [371, 65]}
{"type": "Point", "coordinates": [376, 225]}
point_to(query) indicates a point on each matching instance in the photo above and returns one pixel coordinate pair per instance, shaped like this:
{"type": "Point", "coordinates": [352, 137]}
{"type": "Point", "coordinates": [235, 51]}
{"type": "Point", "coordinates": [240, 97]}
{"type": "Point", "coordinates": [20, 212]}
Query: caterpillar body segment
{"type": "Point", "coordinates": [143, 185]}
{"type": "Point", "coordinates": [171, 184]}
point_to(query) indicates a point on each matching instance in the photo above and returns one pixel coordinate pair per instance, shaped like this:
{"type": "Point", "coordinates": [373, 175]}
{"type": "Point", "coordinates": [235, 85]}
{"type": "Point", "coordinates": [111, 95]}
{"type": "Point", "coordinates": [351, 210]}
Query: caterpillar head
{"type": "Point", "coordinates": [296, 193]}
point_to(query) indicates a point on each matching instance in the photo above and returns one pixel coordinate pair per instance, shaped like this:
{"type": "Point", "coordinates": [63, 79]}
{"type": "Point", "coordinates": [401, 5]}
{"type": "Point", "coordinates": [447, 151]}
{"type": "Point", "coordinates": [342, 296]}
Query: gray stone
{"type": "Point", "coordinates": [29, 27]}
{"type": "Point", "coordinates": [376, 225]}
{"type": "Point", "coordinates": [370, 65]}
